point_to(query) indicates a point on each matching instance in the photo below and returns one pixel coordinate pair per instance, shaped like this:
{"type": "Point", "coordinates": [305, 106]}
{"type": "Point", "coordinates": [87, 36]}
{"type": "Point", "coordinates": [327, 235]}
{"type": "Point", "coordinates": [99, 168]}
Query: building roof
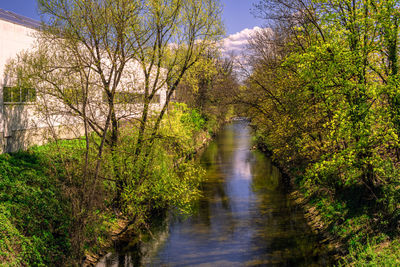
{"type": "Point", "coordinates": [18, 19]}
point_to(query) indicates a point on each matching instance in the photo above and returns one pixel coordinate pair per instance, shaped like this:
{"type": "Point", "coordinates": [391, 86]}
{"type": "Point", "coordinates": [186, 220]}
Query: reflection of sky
{"type": "Point", "coordinates": [239, 178]}
{"type": "Point", "coordinates": [226, 237]}
{"type": "Point", "coordinates": [241, 164]}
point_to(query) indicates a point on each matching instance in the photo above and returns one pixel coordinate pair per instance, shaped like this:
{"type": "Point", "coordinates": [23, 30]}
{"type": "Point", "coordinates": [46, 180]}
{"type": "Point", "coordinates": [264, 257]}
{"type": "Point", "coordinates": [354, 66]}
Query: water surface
{"type": "Point", "coordinates": [244, 218]}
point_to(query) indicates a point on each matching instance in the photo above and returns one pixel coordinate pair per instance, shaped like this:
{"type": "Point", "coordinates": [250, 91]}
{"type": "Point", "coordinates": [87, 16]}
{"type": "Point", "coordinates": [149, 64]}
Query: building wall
{"type": "Point", "coordinates": [21, 125]}
{"type": "Point", "coordinates": [14, 39]}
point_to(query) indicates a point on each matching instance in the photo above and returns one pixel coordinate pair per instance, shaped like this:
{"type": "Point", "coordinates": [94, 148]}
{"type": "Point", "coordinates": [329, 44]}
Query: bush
{"type": "Point", "coordinates": [373, 253]}
{"type": "Point", "coordinates": [169, 181]}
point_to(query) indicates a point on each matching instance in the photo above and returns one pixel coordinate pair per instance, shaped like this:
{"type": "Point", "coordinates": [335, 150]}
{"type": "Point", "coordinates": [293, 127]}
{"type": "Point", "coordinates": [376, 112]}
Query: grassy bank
{"type": "Point", "coordinates": [46, 218]}
{"type": "Point", "coordinates": [34, 213]}
{"type": "Point", "coordinates": [360, 229]}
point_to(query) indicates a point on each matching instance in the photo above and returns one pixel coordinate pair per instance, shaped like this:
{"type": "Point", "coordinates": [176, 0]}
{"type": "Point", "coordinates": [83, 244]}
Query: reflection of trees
{"type": "Point", "coordinates": [215, 207]}
{"type": "Point", "coordinates": [283, 234]}
{"type": "Point", "coordinates": [214, 194]}
{"type": "Point", "coordinates": [214, 187]}
{"type": "Point", "coordinates": [266, 177]}
{"type": "Point", "coordinates": [226, 141]}
{"type": "Point", "coordinates": [209, 156]}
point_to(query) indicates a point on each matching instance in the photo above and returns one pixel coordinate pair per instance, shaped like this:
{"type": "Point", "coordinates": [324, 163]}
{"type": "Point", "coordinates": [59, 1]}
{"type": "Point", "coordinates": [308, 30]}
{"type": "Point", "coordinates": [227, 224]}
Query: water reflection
{"type": "Point", "coordinates": [244, 218]}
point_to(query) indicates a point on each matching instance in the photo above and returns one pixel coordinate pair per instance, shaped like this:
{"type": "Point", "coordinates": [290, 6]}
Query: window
{"type": "Point", "coordinates": [156, 99]}
{"type": "Point", "coordinates": [128, 98]}
{"type": "Point", "coordinates": [17, 94]}
{"type": "Point", "coordinates": [131, 98]}
{"type": "Point", "coordinates": [73, 96]}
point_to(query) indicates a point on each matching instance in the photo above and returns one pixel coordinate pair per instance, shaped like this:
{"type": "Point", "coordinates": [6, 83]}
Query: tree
{"type": "Point", "coordinates": [102, 64]}
{"type": "Point", "coordinates": [209, 87]}
{"type": "Point", "coordinates": [90, 51]}
{"type": "Point", "coordinates": [325, 78]}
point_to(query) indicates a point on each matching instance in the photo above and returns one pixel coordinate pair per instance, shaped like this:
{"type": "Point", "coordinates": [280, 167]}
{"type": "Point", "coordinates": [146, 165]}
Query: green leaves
{"type": "Point", "coordinates": [36, 229]}
{"type": "Point", "coordinates": [326, 102]}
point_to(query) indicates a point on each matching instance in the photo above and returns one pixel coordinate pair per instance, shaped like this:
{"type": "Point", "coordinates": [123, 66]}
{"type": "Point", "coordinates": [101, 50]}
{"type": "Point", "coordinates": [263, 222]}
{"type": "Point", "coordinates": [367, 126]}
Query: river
{"type": "Point", "coordinates": [245, 217]}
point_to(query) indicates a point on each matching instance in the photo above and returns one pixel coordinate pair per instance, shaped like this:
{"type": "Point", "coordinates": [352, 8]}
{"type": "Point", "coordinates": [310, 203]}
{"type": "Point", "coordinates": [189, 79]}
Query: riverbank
{"type": "Point", "coordinates": [346, 237]}
{"type": "Point", "coordinates": [47, 218]}
{"type": "Point", "coordinates": [317, 225]}
{"type": "Point", "coordinates": [350, 225]}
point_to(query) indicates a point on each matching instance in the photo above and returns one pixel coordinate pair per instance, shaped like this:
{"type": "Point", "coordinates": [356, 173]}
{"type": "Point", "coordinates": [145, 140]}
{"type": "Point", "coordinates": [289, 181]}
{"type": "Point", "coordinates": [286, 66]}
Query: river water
{"type": "Point", "coordinates": [245, 217]}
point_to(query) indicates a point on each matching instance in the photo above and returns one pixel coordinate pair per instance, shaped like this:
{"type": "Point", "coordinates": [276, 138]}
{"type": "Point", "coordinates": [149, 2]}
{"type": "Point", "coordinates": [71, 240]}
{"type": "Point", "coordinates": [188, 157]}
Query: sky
{"type": "Point", "coordinates": [237, 17]}
{"type": "Point", "coordinates": [240, 24]}
{"type": "Point", "coordinates": [26, 8]}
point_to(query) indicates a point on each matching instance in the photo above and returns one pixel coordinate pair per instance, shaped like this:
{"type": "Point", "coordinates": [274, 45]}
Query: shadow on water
{"type": "Point", "coordinates": [244, 218]}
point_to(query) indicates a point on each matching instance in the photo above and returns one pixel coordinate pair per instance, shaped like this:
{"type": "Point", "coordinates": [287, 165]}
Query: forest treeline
{"type": "Point", "coordinates": [322, 90]}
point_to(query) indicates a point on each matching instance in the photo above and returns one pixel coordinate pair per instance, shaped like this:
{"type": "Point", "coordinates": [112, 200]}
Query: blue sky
{"type": "Point", "coordinates": [22, 7]}
{"type": "Point", "coordinates": [236, 15]}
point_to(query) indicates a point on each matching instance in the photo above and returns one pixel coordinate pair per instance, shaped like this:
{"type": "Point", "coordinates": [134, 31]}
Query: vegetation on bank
{"type": "Point", "coordinates": [34, 213]}
{"type": "Point", "coordinates": [42, 192]}
{"type": "Point", "coordinates": [323, 95]}
{"type": "Point", "coordinates": [110, 80]}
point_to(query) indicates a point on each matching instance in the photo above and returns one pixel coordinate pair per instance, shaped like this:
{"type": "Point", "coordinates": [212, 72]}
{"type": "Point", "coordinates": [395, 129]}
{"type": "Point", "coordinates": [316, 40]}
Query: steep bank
{"type": "Point", "coordinates": [34, 214]}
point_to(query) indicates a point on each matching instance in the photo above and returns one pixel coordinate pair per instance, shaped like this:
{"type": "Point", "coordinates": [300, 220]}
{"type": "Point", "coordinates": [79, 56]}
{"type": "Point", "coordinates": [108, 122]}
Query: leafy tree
{"type": "Point", "coordinates": [98, 67]}
{"type": "Point", "coordinates": [322, 92]}
{"type": "Point", "coordinates": [89, 52]}
{"type": "Point", "coordinates": [209, 87]}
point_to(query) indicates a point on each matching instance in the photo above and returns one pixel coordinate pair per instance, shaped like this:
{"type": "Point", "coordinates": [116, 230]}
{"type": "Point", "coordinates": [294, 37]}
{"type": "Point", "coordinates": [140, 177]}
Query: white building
{"type": "Point", "coordinates": [20, 127]}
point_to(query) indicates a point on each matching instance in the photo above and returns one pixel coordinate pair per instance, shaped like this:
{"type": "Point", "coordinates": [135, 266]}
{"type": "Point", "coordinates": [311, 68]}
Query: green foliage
{"type": "Point", "coordinates": [14, 247]}
{"type": "Point", "coordinates": [164, 187]}
{"type": "Point", "coordinates": [169, 180]}
{"type": "Point", "coordinates": [208, 89]}
{"type": "Point", "coordinates": [36, 217]}
{"type": "Point", "coordinates": [181, 127]}
{"type": "Point", "coordinates": [194, 120]}
{"type": "Point", "coordinates": [377, 252]}
{"type": "Point", "coordinates": [326, 102]}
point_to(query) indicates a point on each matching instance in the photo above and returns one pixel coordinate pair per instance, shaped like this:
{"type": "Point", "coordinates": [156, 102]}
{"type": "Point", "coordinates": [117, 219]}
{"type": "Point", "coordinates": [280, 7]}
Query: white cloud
{"type": "Point", "coordinates": [235, 43]}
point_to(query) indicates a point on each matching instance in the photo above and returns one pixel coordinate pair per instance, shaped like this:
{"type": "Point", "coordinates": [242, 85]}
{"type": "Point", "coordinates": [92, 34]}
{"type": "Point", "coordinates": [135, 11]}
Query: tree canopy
{"type": "Point", "coordinates": [323, 95]}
